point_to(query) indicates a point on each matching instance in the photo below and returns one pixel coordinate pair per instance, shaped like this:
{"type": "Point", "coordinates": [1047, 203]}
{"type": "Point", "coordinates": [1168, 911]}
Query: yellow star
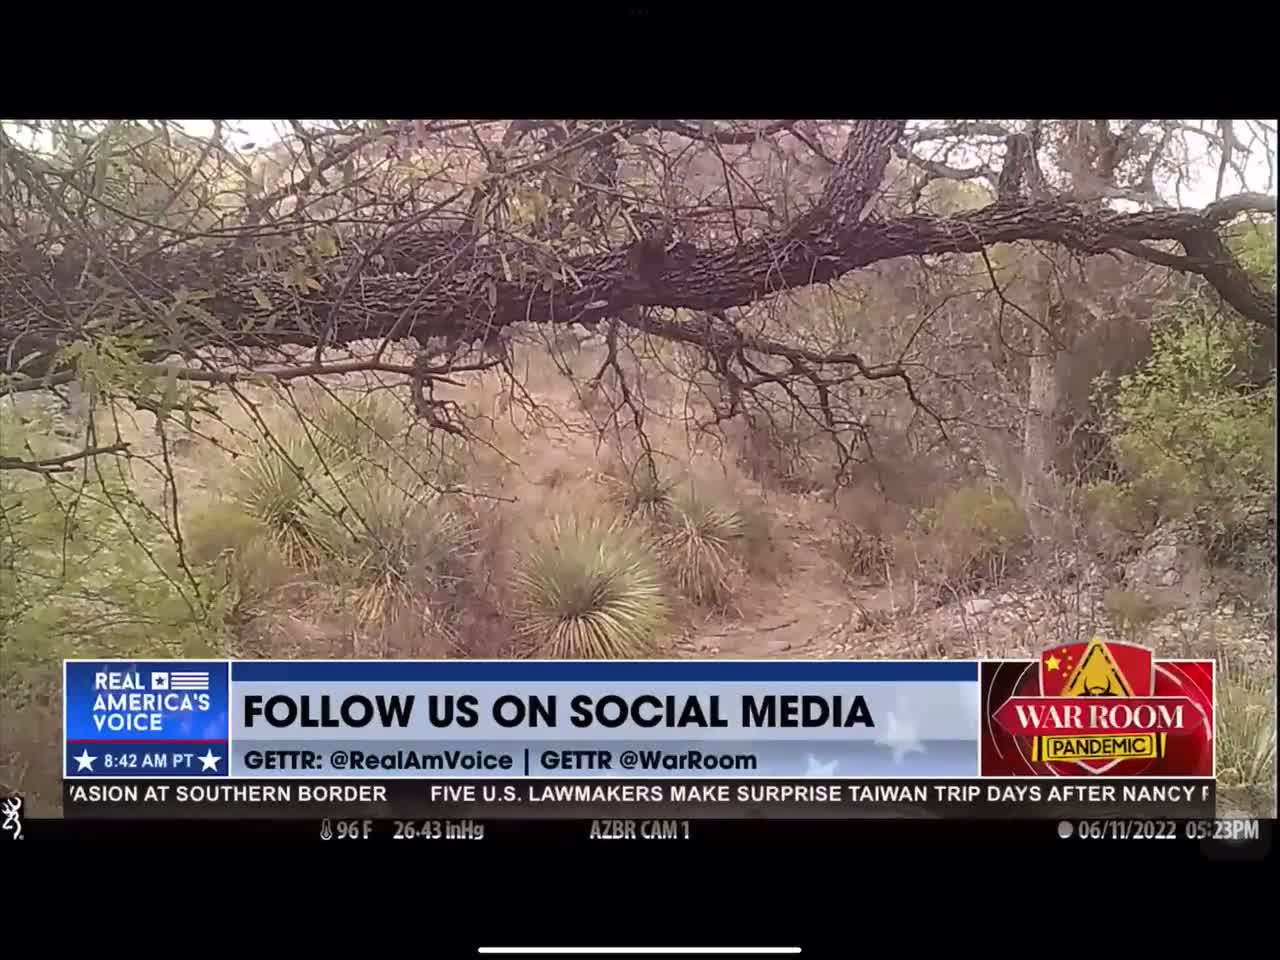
{"type": "Point", "coordinates": [1051, 663]}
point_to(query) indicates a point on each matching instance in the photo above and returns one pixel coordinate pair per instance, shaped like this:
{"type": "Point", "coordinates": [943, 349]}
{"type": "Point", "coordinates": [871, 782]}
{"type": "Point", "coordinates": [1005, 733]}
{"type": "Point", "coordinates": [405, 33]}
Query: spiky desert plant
{"type": "Point", "coordinates": [401, 543]}
{"type": "Point", "coordinates": [273, 484]}
{"type": "Point", "coordinates": [1246, 722]}
{"type": "Point", "coordinates": [699, 546]}
{"type": "Point", "coordinates": [589, 590]}
{"type": "Point", "coordinates": [646, 495]}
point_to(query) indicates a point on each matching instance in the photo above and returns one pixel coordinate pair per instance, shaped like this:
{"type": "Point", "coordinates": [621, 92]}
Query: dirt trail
{"type": "Point", "coordinates": [816, 614]}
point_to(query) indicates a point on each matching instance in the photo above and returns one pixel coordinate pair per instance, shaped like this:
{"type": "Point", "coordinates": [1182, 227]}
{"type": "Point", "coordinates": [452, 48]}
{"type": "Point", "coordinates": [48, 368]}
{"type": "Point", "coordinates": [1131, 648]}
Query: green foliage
{"type": "Point", "coordinates": [240, 552]}
{"type": "Point", "coordinates": [335, 494]}
{"type": "Point", "coordinates": [1117, 516]}
{"type": "Point", "coordinates": [1254, 245]}
{"type": "Point", "coordinates": [972, 537]}
{"type": "Point", "coordinates": [1196, 439]}
{"type": "Point", "coordinates": [590, 590]}
{"type": "Point", "coordinates": [1119, 507]}
{"type": "Point", "coordinates": [86, 570]}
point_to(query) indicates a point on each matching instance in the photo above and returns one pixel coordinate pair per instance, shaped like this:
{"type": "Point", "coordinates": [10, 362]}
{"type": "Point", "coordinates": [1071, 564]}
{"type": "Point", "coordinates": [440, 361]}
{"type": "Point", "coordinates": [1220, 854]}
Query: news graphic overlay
{"type": "Point", "coordinates": [615, 719]}
{"type": "Point", "coordinates": [157, 719]}
{"type": "Point", "coordinates": [544, 741]}
{"type": "Point", "coordinates": [1098, 709]}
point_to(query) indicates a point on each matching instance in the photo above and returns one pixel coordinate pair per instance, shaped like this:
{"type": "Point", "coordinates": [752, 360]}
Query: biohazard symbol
{"type": "Point", "coordinates": [1096, 675]}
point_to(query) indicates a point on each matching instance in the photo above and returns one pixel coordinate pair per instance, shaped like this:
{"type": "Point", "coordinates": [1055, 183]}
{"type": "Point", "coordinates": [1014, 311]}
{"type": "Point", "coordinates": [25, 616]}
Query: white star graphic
{"type": "Point", "coordinates": [209, 761]}
{"type": "Point", "coordinates": [85, 761]}
{"type": "Point", "coordinates": [816, 769]}
{"type": "Point", "coordinates": [900, 737]}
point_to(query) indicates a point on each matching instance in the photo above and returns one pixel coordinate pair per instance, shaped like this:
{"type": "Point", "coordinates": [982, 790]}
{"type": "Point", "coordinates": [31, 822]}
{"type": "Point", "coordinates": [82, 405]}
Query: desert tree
{"type": "Point", "coordinates": [158, 269]}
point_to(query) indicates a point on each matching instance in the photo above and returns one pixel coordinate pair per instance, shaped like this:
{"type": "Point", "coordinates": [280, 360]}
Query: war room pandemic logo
{"type": "Point", "coordinates": [1098, 708]}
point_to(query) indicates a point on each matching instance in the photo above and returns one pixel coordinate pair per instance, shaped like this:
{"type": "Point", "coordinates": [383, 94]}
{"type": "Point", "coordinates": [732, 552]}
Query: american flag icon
{"type": "Point", "coordinates": [181, 680]}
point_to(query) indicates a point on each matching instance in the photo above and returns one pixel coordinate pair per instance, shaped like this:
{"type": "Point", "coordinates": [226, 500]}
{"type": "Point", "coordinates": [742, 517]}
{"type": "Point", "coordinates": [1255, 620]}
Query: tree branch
{"type": "Point", "coordinates": [61, 464]}
{"type": "Point", "coordinates": [447, 286]}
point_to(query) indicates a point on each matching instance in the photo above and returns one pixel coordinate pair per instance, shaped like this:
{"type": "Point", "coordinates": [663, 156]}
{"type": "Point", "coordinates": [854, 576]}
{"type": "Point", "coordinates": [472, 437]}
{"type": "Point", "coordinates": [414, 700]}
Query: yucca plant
{"type": "Point", "coordinates": [274, 484]}
{"type": "Point", "coordinates": [646, 495]}
{"type": "Point", "coordinates": [400, 542]}
{"type": "Point", "coordinates": [1246, 749]}
{"type": "Point", "coordinates": [699, 546]}
{"type": "Point", "coordinates": [590, 590]}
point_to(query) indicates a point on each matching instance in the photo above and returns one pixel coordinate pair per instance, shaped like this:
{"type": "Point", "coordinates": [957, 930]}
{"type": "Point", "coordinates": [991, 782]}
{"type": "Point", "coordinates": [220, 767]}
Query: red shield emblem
{"type": "Point", "coordinates": [1100, 708]}
{"type": "Point", "coordinates": [1097, 669]}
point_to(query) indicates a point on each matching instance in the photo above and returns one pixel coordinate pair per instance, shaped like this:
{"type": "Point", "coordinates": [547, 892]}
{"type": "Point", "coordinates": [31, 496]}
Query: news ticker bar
{"type": "Point", "coordinates": [700, 799]}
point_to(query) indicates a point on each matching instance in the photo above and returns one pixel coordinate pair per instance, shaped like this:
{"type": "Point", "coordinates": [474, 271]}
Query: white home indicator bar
{"type": "Point", "coordinates": [640, 951]}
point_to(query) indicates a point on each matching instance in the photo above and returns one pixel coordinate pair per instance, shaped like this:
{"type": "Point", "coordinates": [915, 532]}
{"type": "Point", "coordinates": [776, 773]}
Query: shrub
{"type": "Point", "coordinates": [781, 456]}
{"type": "Point", "coordinates": [1196, 438]}
{"type": "Point", "coordinates": [1254, 244]}
{"type": "Point", "coordinates": [220, 527]}
{"type": "Point", "coordinates": [1119, 508]}
{"type": "Point", "coordinates": [1130, 612]}
{"type": "Point", "coordinates": [589, 590]}
{"type": "Point", "coordinates": [972, 538]}
{"type": "Point", "coordinates": [240, 554]}
{"type": "Point", "coordinates": [862, 553]}
{"type": "Point", "coordinates": [86, 570]}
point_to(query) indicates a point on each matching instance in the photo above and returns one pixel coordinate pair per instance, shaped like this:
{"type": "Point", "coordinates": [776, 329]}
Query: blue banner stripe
{"type": "Point", "coordinates": [636, 671]}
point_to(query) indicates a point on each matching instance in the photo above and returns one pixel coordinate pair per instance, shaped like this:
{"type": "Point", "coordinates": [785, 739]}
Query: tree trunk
{"type": "Point", "coordinates": [1039, 441]}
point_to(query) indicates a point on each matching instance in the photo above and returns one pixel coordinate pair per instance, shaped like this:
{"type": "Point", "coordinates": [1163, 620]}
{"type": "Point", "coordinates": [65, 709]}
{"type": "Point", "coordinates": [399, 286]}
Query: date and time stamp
{"type": "Point", "coordinates": [1230, 830]}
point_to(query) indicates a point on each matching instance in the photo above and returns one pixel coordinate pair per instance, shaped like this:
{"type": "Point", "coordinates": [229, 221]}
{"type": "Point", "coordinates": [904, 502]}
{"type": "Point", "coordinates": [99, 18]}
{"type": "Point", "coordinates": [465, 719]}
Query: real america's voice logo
{"type": "Point", "coordinates": [136, 719]}
{"type": "Point", "coordinates": [125, 701]}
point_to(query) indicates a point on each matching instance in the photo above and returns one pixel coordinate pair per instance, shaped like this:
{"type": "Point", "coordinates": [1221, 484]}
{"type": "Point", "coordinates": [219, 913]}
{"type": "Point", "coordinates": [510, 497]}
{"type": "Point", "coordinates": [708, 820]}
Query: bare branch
{"type": "Point", "coordinates": [63, 464]}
